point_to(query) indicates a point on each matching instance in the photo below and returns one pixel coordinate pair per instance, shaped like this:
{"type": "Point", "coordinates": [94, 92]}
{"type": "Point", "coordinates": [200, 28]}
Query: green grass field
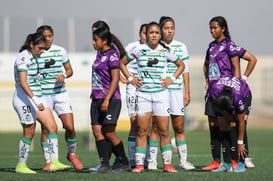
{"type": "Point", "coordinates": [198, 153]}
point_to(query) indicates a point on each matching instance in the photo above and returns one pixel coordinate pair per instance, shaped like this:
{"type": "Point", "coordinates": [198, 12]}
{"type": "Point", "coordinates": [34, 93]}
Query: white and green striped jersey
{"type": "Point", "coordinates": [25, 62]}
{"type": "Point", "coordinates": [51, 65]}
{"type": "Point", "coordinates": [151, 66]}
{"type": "Point", "coordinates": [179, 49]}
{"type": "Point", "coordinates": [132, 65]}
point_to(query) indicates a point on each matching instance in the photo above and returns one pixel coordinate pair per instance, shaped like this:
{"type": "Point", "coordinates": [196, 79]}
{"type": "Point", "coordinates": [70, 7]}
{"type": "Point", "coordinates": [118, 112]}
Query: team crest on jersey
{"type": "Point", "coordinates": [222, 47]}
{"type": "Point", "coordinates": [177, 47]}
{"type": "Point", "coordinates": [103, 58]}
{"type": "Point", "coordinates": [162, 53]}
{"type": "Point", "coordinates": [56, 52]}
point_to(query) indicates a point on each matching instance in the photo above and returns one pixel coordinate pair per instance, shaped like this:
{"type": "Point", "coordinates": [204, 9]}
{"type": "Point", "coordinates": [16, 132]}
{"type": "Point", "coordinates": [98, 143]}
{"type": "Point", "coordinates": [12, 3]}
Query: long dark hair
{"type": "Point", "coordinates": [104, 34]}
{"type": "Point", "coordinates": [34, 38]}
{"type": "Point", "coordinates": [222, 23]}
{"type": "Point", "coordinates": [103, 25]}
{"type": "Point", "coordinates": [224, 100]}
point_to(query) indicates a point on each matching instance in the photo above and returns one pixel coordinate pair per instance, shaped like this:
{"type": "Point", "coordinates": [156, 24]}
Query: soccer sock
{"type": "Point", "coordinates": [24, 148]}
{"type": "Point", "coordinates": [46, 152]}
{"type": "Point", "coordinates": [246, 139]}
{"type": "Point", "coordinates": [131, 147]}
{"type": "Point", "coordinates": [102, 152]}
{"type": "Point", "coordinates": [53, 146]}
{"type": "Point", "coordinates": [182, 150]}
{"type": "Point", "coordinates": [166, 152]}
{"type": "Point", "coordinates": [226, 146]}
{"type": "Point", "coordinates": [153, 149]}
{"type": "Point", "coordinates": [109, 148]}
{"type": "Point", "coordinates": [140, 155]}
{"type": "Point", "coordinates": [71, 145]}
{"type": "Point", "coordinates": [215, 143]}
{"type": "Point", "coordinates": [233, 141]}
{"type": "Point", "coordinates": [119, 151]}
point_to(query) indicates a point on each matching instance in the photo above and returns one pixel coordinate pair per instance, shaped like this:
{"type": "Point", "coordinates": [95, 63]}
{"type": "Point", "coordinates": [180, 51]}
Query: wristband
{"type": "Point", "coordinates": [36, 100]}
{"type": "Point", "coordinates": [130, 78]}
{"type": "Point", "coordinates": [240, 142]}
{"type": "Point", "coordinates": [64, 74]}
{"type": "Point", "coordinates": [244, 77]}
{"type": "Point", "coordinates": [173, 78]}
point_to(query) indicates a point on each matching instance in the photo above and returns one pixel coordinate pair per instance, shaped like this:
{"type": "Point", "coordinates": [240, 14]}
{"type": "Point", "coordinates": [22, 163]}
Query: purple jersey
{"type": "Point", "coordinates": [101, 73]}
{"type": "Point", "coordinates": [240, 90]}
{"type": "Point", "coordinates": [241, 51]}
{"type": "Point", "coordinates": [219, 59]}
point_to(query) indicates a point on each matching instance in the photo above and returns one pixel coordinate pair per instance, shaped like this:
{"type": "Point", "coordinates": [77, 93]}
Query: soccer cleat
{"type": "Point", "coordinates": [152, 165]}
{"type": "Point", "coordinates": [122, 168]}
{"type": "Point", "coordinates": [116, 164]}
{"type": "Point", "coordinates": [240, 168]}
{"type": "Point", "coordinates": [75, 161]}
{"type": "Point", "coordinates": [22, 168]}
{"type": "Point", "coordinates": [234, 164]}
{"type": "Point", "coordinates": [214, 165]}
{"type": "Point", "coordinates": [132, 163]}
{"type": "Point", "coordinates": [94, 169]}
{"type": "Point", "coordinates": [187, 166]}
{"type": "Point", "coordinates": [56, 165]}
{"type": "Point", "coordinates": [138, 169]}
{"type": "Point", "coordinates": [102, 169]}
{"type": "Point", "coordinates": [47, 167]}
{"type": "Point", "coordinates": [225, 167]}
{"type": "Point", "coordinates": [169, 168]}
{"type": "Point", "coordinates": [249, 163]}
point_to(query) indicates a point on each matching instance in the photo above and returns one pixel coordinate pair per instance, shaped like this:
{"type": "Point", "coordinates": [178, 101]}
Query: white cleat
{"type": "Point", "coordinates": [186, 165]}
{"type": "Point", "coordinates": [249, 163]}
{"type": "Point", "coordinates": [152, 165]}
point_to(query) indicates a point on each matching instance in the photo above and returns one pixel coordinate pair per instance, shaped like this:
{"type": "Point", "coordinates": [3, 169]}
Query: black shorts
{"type": "Point", "coordinates": [209, 109]}
{"type": "Point", "coordinates": [103, 118]}
{"type": "Point", "coordinates": [247, 102]}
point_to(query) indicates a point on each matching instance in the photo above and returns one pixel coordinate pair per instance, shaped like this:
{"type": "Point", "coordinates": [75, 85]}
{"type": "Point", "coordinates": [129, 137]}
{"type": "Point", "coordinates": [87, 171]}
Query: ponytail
{"type": "Point", "coordinates": [34, 38]}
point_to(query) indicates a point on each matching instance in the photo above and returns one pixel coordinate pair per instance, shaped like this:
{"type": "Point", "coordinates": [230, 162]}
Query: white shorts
{"type": "Point", "coordinates": [60, 103]}
{"type": "Point", "coordinates": [25, 108]}
{"type": "Point", "coordinates": [176, 102]}
{"type": "Point", "coordinates": [131, 99]}
{"type": "Point", "coordinates": [158, 103]}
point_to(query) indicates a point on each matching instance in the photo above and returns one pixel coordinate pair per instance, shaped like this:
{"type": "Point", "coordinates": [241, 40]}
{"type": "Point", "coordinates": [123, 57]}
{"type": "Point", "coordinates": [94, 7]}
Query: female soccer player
{"type": "Point", "coordinates": [228, 96]}
{"type": "Point", "coordinates": [179, 97]}
{"type": "Point", "coordinates": [116, 44]}
{"type": "Point", "coordinates": [30, 105]}
{"type": "Point", "coordinates": [152, 95]}
{"type": "Point", "coordinates": [221, 60]}
{"type": "Point", "coordinates": [106, 101]}
{"type": "Point", "coordinates": [51, 64]}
